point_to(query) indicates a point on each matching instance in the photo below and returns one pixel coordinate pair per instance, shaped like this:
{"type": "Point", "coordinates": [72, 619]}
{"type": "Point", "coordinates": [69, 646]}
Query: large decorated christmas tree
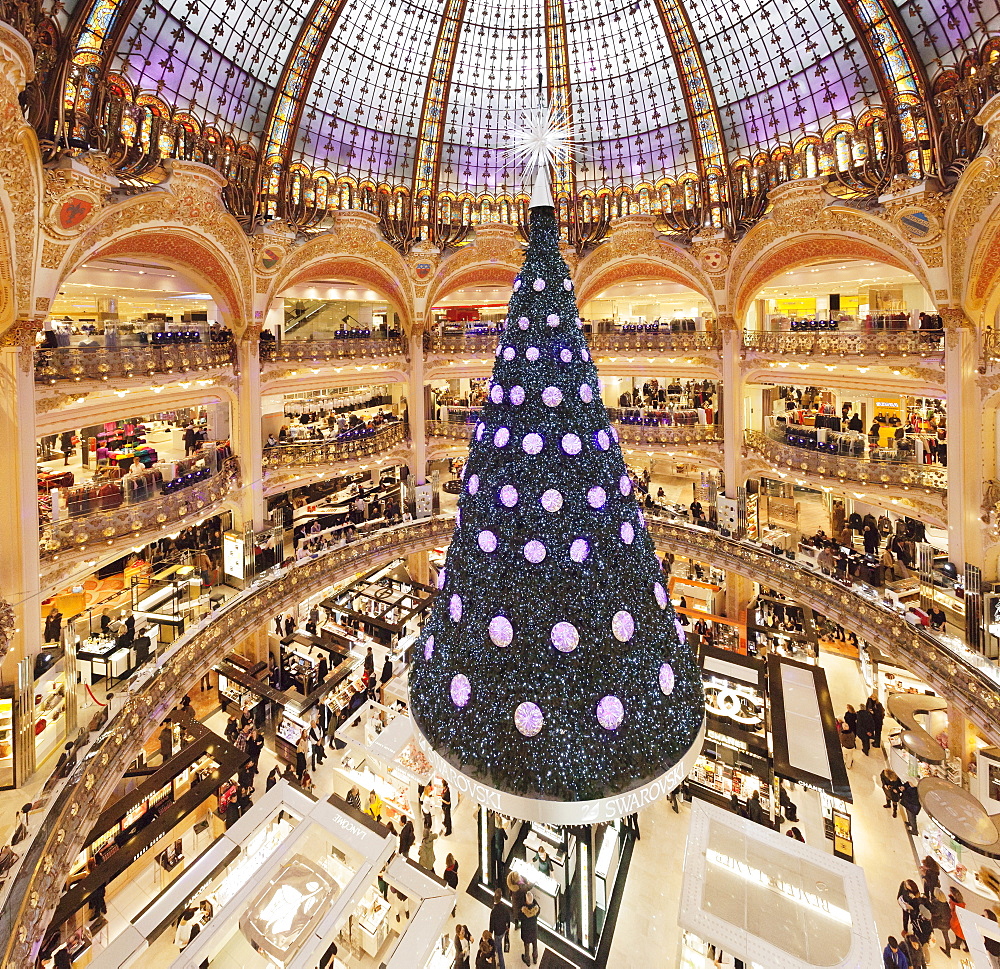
{"type": "Point", "coordinates": [552, 665]}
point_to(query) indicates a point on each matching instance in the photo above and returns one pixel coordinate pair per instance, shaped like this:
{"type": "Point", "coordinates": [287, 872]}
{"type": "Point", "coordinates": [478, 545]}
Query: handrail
{"type": "Point", "coordinates": [318, 351]}
{"type": "Point", "coordinates": [946, 665]}
{"type": "Point", "coordinates": [101, 363]}
{"type": "Point", "coordinates": [106, 525]}
{"type": "Point", "coordinates": [664, 339]}
{"type": "Point", "coordinates": [882, 343]}
{"type": "Point", "coordinates": [40, 878]}
{"type": "Point", "coordinates": [862, 470]}
{"type": "Point", "coordinates": [310, 454]}
{"type": "Point", "coordinates": [659, 434]}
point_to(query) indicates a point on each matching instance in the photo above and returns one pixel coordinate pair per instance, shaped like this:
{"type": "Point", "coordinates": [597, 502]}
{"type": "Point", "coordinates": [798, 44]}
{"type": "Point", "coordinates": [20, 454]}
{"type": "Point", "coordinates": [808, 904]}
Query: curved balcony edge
{"type": "Point", "coordinates": [310, 455]}
{"type": "Point", "coordinates": [312, 352]}
{"type": "Point", "coordinates": [55, 364]}
{"type": "Point", "coordinates": [867, 343]}
{"type": "Point", "coordinates": [629, 434]}
{"type": "Point", "coordinates": [38, 881]}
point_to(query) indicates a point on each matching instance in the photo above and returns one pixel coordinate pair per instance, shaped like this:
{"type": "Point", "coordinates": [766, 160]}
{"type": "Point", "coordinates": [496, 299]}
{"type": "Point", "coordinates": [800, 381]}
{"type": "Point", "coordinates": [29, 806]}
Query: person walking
{"type": "Point", "coordinates": [450, 875]}
{"type": "Point", "coordinates": [446, 807]}
{"type": "Point", "coordinates": [425, 856]}
{"type": "Point", "coordinates": [407, 836]}
{"type": "Point", "coordinates": [892, 788]}
{"type": "Point", "coordinates": [500, 927]}
{"type": "Point", "coordinates": [910, 801]}
{"type": "Point", "coordinates": [848, 742]}
{"type": "Point", "coordinates": [529, 929]}
{"type": "Point", "coordinates": [930, 875]}
{"type": "Point", "coordinates": [908, 898]}
{"type": "Point", "coordinates": [317, 749]}
{"type": "Point", "coordinates": [875, 708]}
{"type": "Point", "coordinates": [272, 778]}
{"type": "Point", "coordinates": [865, 729]}
{"type": "Point", "coordinates": [851, 718]}
{"type": "Point", "coordinates": [940, 912]}
{"type": "Point", "coordinates": [893, 957]}
{"type": "Point", "coordinates": [956, 901]}
{"type": "Point", "coordinates": [301, 752]}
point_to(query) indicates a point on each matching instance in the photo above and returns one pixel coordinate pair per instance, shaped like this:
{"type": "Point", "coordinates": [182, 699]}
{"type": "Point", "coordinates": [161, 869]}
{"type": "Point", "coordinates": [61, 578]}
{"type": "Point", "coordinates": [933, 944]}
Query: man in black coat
{"type": "Point", "coordinates": [866, 728]}
{"type": "Point", "coordinates": [406, 837]}
{"type": "Point", "coordinates": [875, 708]}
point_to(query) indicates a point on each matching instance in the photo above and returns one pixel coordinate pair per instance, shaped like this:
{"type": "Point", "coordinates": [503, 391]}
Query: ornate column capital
{"type": "Point", "coordinates": [726, 322]}
{"type": "Point", "coordinates": [21, 336]}
{"type": "Point", "coordinates": [955, 318]}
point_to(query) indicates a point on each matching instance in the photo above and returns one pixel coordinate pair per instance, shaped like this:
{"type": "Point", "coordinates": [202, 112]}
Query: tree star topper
{"type": "Point", "coordinates": [546, 139]}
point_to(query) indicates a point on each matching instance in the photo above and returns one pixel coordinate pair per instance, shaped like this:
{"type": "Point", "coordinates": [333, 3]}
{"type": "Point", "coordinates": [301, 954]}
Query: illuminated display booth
{"type": "Point", "coordinates": [769, 900]}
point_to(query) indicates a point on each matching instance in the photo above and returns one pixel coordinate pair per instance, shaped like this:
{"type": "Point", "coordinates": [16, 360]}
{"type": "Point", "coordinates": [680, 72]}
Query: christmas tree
{"type": "Point", "coordinates": [552, 665]}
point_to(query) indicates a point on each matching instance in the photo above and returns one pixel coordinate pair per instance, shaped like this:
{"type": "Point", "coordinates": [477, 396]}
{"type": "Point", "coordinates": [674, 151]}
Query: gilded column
{"type": "Point", "coordinates": [247, 425]}
{"type": "Point", "coordinates": [416, 408]}
{"type": "Point", "coordinates": [732, 403]}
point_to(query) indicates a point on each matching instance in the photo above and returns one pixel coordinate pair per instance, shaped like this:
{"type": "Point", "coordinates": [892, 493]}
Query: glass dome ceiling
{"type": "Point", "coordinates": [424, 93]}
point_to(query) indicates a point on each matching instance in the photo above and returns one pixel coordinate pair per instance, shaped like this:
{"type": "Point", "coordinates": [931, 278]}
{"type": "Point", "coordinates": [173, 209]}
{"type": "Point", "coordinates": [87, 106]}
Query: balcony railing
{"type": "Point", "coordinates": [310, 454]}
{"type": "Point", "coordinates": [862, 470]}
{"type": "Point", "coordinates": [869, 343]}
{"type": "Point", "coordinates": [452, 430]}
{"type": "Point", "coordinates": [321, 351]}
{"type": "Point", "coordinates": [103, 363]}
{"type": "Point", "coordinates": [628, 433]}
{"type": "Point", "coordinates": [663, 341]}
{"type": "Point", "coordinates": [131, 521]}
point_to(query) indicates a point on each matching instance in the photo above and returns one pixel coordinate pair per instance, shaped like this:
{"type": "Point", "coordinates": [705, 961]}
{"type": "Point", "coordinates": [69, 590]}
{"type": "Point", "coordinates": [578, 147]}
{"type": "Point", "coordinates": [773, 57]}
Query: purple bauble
{"type": "Point", "coordinates": [625, 485]}
{"type": "Point", "coordinates": [627, 533]}
{"type": "Point", "coordinates": [565, 355]}
{"type": "Point", "coordinates": [596, 497]}
{"type": "Point", "coordinates": [517, 284]}
{"type": "Point", "coordinates": [610, 712]}
{"type": "Point", "coordinates": [538, 285]}
{"type": "Point", "coordinates": [508, 496]}
{"type": "Point", "coordinates": [496, 393]}
{"type": "Point", "coordinates": [532, 443]}
{"type": "Point", "coordinates": [564, 637]}
{"type": "Point", "coordinates": [517, 395]}
{"type": "Point", "coordinates": [567, 284]}
{"type": "Point", "coordinates": [666, 679]}
{"type": "Point", "coordinates": [479, 431]}
{"type": "Point", "coordinates": [461, 690]}
{"type": "Point", "coordinates": [472, 485]}
{"type": "Point", "coordinates": [602, 439]}
{"type": "Point", "coordinates": [429, 648]}
{"type": "Point", "coordinates": [660, 594]}
{"type": "Point", "coordinates": [455, 608]}
{"type": "Point", "coordinates": [522, 323]}
{"type": "Point", "coordinates": [534, 551]}
{"type": "Point", "coordinates": [509, 353]}
{"type": "Point", "coordinates": [496, 352]}
{"type": "Point", "coordinates": [681, 635]}
{"type": "Point", "coordinates": [571, 444]}
{"type": "Point", "coordinates": [614, 433]}
{"type": "Point", "coordinates": [552, 396]}
{"type": "Point", "coordinates": [579, 550]}
{"type": "Point", "coordinates": [487, 540]}
{"type": "Point", "coordinates": [585, 355]}
{"type": "Point", "coordinates": [586, 393]}
{"type": "Point", "coordinates": [622, 626]}
{"type": "Point", "coordinates": [501, 437]}
{"type": "Point", "coordinates": [442, 578]}
{"type": "Point", "coordinates": [551, 500]}
{"type": "Point", "coordinates": [552, 319]}
{"type": "Point", "coordinates": [531, 354]}
{"type": "Point", "coordinates": [528, 719]}
{"type": "Point", "coordinates": [501, 631]}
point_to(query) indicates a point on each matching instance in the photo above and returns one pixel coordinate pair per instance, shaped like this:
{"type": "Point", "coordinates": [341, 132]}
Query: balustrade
{"type": "Point", "coordinates": [101, 363]}
{"type": "Point", "coordinates": [827, 343]}
{"type": "Point", "coordinates": [310, 454]}
{"type": "Point", "coordinates": [862, 470]}
{"type": "Point", "coordinates": [131, 521]}
{"type": "Point", "coordinates": [660, 340]}
{"type": "Point", "coordinates": [319, 351]}
{"type": "Point", "coordinates": [628, 433]}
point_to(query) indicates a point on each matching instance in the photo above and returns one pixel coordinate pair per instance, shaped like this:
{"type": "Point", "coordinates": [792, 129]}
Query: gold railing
{"type": "Point", "coordinates": [103, 528]}
{"type": "Point", "coordinates": [309, 454]}
{"type": "Point", "coordinates": [103, 363]}
{"type": "Point", "coordinates": [660, 340]}
{"type": "Point", "coordinates": [871, 343]}
{"type": "Point", "coordinates": [893, 474]}
{"type": "Point", "coordinates": [628, 433]}
{"type": "Point", "coordinates": [320, 351]}
{"type": "Point", "coordinates": [41, 876]}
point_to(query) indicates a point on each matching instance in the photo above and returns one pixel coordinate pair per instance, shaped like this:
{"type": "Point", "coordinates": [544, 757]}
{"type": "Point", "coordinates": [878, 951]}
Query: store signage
{"type": "Point", "coordinates": [735, 703]}
{"type": "Point", "coordinates": [887, 404]}
{"type": "Point", "coordinates": [232, 554]}
{"type": "Point", "coordinates": [563, 812]}
{"type": "Point", "coordinates": [779, 885]}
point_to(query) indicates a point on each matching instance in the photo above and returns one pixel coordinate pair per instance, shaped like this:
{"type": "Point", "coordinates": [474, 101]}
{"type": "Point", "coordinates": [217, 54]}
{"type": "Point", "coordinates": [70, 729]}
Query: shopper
{"type": "Point", "coordinates": [991, 945]}
{"type": "Point", "coordinates": [848, 742]}
{"type": "Point", "coordinates": [908, 898]}
{"type": "Point", "coordinates": [463, 947]}
{"type": "Point", "coordinates": [375, 805]}
{"type": "Point", "coordinates": [940, 912]}
{"type": "Point", "coordinates": [446, 807]}
{"type": "Point", "coordinates": [98, 904]}
{"type": "Point", "coordinates": [301, 752]}
{"type": "Point", "coordinates": [272, 778]}
{"type": "Point", "coordinates": [407, 836]}
{"type": "Point", "coordinates": [930, 875]}
{"type": "Point", "coordinates": [913, 949]}
{"type": "Point", "coordinates": [529, 928]}
{"type": "Point", "coordinates": [892, 787]}
{"type": "Point", "coordinates": [851, 719]}
{"type": "Point", "coordinates": [53, 625]}
{"type": "Point", "coordinates": [892, 957]}
{"type": "Point", "coordinates": [486, 957]}
{"type": "Point", "coordinates": [317, 748]}
{"type": "Point", "coordinates": [450, 875]}
{"type": "Point", "coordinates": [354, 797]}
{"type": "Point", "coordinates": [910, 801]}
{"type": "Point", "coordinates": [167, 741]}
{"type": "Point", "coordinates": [754, 809]}
{"type": "Point", "coordinates": [385, 677]}
{"type": "Point", "coordinates": [370, 661]}
{"type": "Point", "coordinates": [956, 901]}
{"type": "Point", "coordinates": [796, 834]}
{"type": "Point", "coordinates": [497, 842]}
{"type": "Point", "coordinates": [185, 928]}
{"type": "Point", "coordinates": [877, 711]}
{"type": "Point", "coordinates": [500, 927]}
{"type": "Point", "coordinates": [425, 856]}
{"type": "Point", "coordinates": [865, 729]}
{"type": "Point", "coordinates": [516, 887]}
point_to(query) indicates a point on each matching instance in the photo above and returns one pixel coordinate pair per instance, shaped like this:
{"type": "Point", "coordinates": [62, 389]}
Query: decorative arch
{"type": "Point", "coordinates": [982, 295]}
{"type": "Point", "coordinates": [501, 274]}
{"type": "Point", "coordinates": [803, 249]}
{"type": "Point", "coordinates": [595, 274]}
